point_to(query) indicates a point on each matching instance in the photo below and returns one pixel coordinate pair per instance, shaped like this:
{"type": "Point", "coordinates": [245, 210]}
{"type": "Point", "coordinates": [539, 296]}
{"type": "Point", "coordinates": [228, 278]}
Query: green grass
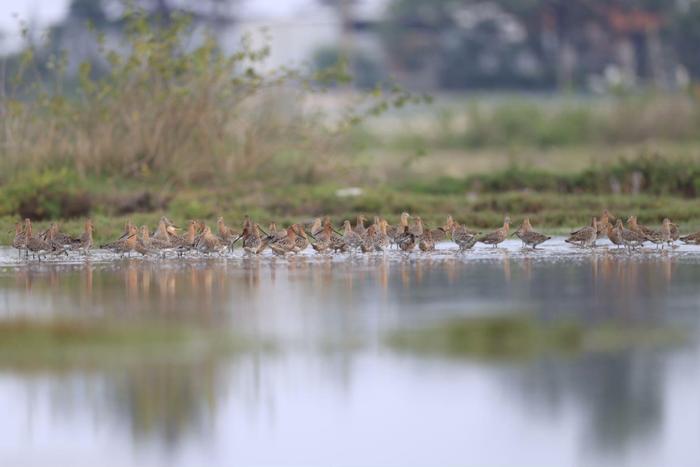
{"type": "Point", "coordinates": [514, 337]}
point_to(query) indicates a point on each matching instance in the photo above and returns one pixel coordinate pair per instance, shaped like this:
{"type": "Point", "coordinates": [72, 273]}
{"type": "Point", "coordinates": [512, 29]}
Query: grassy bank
{"type": "Point", "coordinates": [650, 187]}
{"type": "Point", "coordinates": [548, 212]}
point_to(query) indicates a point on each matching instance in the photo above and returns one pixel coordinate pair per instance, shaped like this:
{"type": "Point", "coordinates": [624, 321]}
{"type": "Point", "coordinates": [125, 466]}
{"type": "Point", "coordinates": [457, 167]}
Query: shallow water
{"type": "Point", "coordinates": [332, 393]}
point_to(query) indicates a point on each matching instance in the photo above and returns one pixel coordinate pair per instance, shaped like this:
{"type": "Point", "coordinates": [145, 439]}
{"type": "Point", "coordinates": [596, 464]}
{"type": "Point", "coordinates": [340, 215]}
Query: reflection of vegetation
{"type": "Point", "coordinates": [520, 336]}
{"type": "Point", "coordinates": [167, 399]}
{"type": "Point", "coordinates": [620, 395]}
{"type": "Point", "coordinates": [25, 343]}
{"type": "Point", "coordinates": [163, 381]}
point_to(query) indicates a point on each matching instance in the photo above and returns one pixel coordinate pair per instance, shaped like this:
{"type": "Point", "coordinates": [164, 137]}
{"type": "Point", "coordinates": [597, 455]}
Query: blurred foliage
{"type": "Point", "coordinates": [45, 195]}
{"type": "Point", "coordinates": [646, 174]}
{"type": "Point", "coordinates": [176, 109]}
{"type": "Point", "coordinates": [529, 44]}
{"type": "Point", "coordinates": [518, 122]}
{"type": "Point", "coordinates": [367, 73]}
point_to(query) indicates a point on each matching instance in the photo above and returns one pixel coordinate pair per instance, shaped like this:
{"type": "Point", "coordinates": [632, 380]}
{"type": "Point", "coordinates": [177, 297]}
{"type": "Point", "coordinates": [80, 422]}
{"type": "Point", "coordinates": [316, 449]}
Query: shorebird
{"type": "Point", "coordinates": [606, 219]}
{"type": "Point", "coordinates": [36, 245]}
{"type": "Point", "coordinates": [316, 227]}
{"type": "Point", "coordinates": [462, 236]}
{"type": "Point", "coordinates": [524, 227]}
{"type": "Point", "coordinates": [667, 231]}
{"type": "Point", "coordinates": [128, 228]}
{"type": "Point", "coordinates": [497, 236]}
{"type": "Point", "coordinates": [586, 236]}
{"type": "Point", "coordinates": [323, 238]}
{"type": "Point", "coordinates": [405, 239]}
{"type": "Point", "coordinates": [50, 236]}
{"type": "Point", "coordinates": [85, 241]}
{"type": "Point", "coordinates": [662, 236]}
{"type": "Point", "coordinates": [275, 235]}
{"type": "Point", "coordinates": [351, 238]}
{"type": "Point", "coordinates": [614, 234]}
{"type": "Point", "coordinates": [438, 234]}
{"type": "Point", "coordinates": [253, 244]}
{"type": "Point", "coordinates": [641, 229]}
{"type": "Point", "coordinates": [285, 244]}
{"type": "Point", "coordinates": [426, 242]}
{"type": "Point", "coordinates": [55, 237]}
{"type": "Point", "coordinates": [630, 238]}
{"type": "Point", "coordinates": [188, 241]}
{"type": "Point", "coordinates": [209, 243]}
{"type": "Point", "coordinates": [691, 239]}
{"type": "Point", "coordinates": [528, 236]}
{"type": "Point", "coordinates": [392, 231]}
{"type": "Point", "coordinates": [447, 227]}
{"type": "Point", "coordinates": [381, 239]}
{"type": "Point", "coordinates": [143, 241]}
{"type": "Point", "coordinates": [161, 240]}
{"type": "Point", "coordinates": [302, 239]}
{"type": "Point", "coordinates": [20, 240]}
{"type": "Point", "coordinates": [675, 233]}
{"type": "Point", "coordinates": [417, 227]}
{"type": "Point", "coordinates": [124, 244]}
{"type": "Point", "coordinates": [335, 239]}
{"type": "Point", "coordinates": [599, 229]}
{"type": "Point", "coordinates": [367, 243]}
{"type": "Point", "coordinates": [360, 228]}
{"type": "Point", "coordinates": [226, 233]}
{"type": "Point", "coordinates": [168, 223]}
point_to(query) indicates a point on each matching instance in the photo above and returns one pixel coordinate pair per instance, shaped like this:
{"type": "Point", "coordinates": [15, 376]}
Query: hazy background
{"type": "Point", "coordinates": [590, 45]}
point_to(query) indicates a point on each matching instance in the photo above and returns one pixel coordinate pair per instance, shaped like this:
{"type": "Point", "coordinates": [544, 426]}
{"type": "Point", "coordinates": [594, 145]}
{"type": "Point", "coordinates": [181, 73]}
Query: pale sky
{"type": "Point", "coordinates": [46, 12]}
{"type": "Point", "coordinates": [42, 13]}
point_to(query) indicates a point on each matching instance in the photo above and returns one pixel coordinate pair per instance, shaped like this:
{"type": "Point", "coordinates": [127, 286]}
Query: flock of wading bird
{"type": "Point", "coordinates": [324, 238]}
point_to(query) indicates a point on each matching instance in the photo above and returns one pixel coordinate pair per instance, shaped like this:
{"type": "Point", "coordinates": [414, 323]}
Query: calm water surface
{"type": "Point", "coordinates": [333, 393]}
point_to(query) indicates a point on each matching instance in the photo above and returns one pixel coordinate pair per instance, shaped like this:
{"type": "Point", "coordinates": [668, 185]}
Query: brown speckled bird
{"type": "Point", "coordinates": [528, 236]}
{"type": "Point", "coordinates": [585, 236]}
{"type": "Point", "coordinates": [498, 235]}
{"type": "Point", "coordinates": [19, 242]}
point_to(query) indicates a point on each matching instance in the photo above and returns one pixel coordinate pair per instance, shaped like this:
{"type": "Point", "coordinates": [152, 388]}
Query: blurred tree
{"type": "Point", "coordinates": [210, 12]}
{"type": "Point", "coordinates": [366, 73]}
{"type": "Point", "coordinates": [540, 43]}
{"type": "Point", "coordinates": [686, 37]}
{"type": "Point", "coordinates": [72, 40]}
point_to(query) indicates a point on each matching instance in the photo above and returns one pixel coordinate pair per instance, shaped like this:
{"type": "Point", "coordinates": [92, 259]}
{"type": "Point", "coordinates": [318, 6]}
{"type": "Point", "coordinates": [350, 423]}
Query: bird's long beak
{"type": "Point", "coordinates": [310, 235]}
{"type": "Point", "coordinates": [265, 233]}
{"type": "Point", "coordinates": [237, 238]}
{"type": "Point", "coordinates": [336, 231]}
